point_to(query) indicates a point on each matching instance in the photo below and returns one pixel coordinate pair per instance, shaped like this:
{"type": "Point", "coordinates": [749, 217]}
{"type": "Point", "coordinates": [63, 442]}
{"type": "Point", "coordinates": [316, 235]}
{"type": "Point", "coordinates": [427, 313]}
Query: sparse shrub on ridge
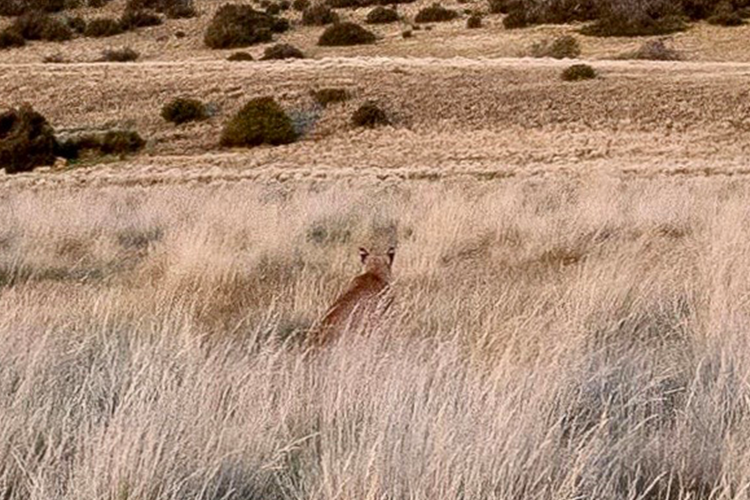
{"type": "Point", "coordinates": [183, 110]}
{"type": "Point", "coordinates": [562, 47]}
{"type": "Point", "coordinates": [435, 13]}
{"type": "Point", "coordinates": [133, 19]}
{"type": "Point", "coordinates": [474, 21]}
{"type": "Point", "coordinates": [119, 55]}
{"type": "Point", "coordinates": [342, 34]}
{"type": "Point", "coordinates": [725, 15]}
{"type": "Point", "coordinates": [240, 26]}
{"type": "Point", "coordinates": [324, 97]}
{"type": "Point", "coordinates": [369, 115]}
{"type": "Point", "coordinates": [10, 38]}
{"type": "Point", "coordinates": [282, 51]}
{"type": "Point", "coordinates": [381, 15]}
{"type": "Point", "coordinates": [42, 26]}
{"type": "Point", "coordinates": [578, 72]}
{"type": "Point", "coordinates": [319, 15]}
{"type": "Point", "coordinates": [102, 27]}
{"type": "Point", "coordinates": [240, 56]}
{"type": "Point", "coordinates": [651, 17]}
{"type": "Point", "coordinates": [26, 140]}
{"type": "Point", "coordinates": [260, 121]}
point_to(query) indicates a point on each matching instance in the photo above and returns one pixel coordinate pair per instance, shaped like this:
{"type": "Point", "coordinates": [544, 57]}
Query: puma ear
{"type": "Point", "coordinates": [391, 254]}
{"type": "Point", "coordinates": [363, 254]}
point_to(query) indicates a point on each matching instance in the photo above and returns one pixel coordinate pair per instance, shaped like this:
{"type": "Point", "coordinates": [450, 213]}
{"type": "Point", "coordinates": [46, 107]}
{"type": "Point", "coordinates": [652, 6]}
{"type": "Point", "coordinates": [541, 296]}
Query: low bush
{"type": "Point", "coordinates": [102, 27]}
{"type": "Point", "coordinates": [653, 50]}
{"type": "Point", "coordinates": [183, 110]}
{"type": "Point", "coordinates": [119, 55]}
{"type": "Point", "coordinates": [133, 19]}
{"type": "Point", "coordinates": [327, 96]}
{"type": "Point", "coordinates": [645, 18]}
{"type": "Point", "coordinates": [562, 47]}
{"type": "Point", "coordinates": [342, 34]}
{"type": "Point", "coordinates": [10, 38]}
{"type": "Point", "coordinates": [240, 56]}
{"type": "Point", "coordinates": [14, 8]}
{"type": "Point", "coordinates": [578, 72]}
{"type": "Point", "coordinates": [97, 4]}
{"type": "Point", "coordinates": [725, 15]}
{"type": "Point", "coordinates": [273, 9]}
{"type": "Point", "coordinates": [500, 6]}
{"type": "Point", "coordinates": [435, 13]}
{"type": "Point", "coordinates": [113, 142]}
{"type": "Point", "coordinates": [319, 15]}
{"type": "Point", "coordinates": [77, 24]}
{"type": "Point", "coordinates": [369, 115]}
{"type": "Point", "coordinates": [42, 26]}
{"type": "Point", "coordinates": [381, 15]}
{"type": "Point", "coordinates": [407, 34]}
{"type": "Point", "coordinates": [282, 51]}
{"type": "Point", "coordinates": [300, 5]}
{"type": "Point", "coordinates": [474, 22]}
{"type": "Point", "coordinates": [240, 26]}
{"type": "Point", "coordinates": [173, 9]}
{"type": "Point", "coordinates": [27, 141]}
{"type": "Point", "coordinates": [260, 121]}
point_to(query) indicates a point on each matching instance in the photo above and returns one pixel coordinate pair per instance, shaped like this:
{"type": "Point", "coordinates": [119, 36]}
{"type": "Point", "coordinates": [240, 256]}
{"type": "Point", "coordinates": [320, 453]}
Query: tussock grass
{"type": "Point", "coordinates": [551, 339]}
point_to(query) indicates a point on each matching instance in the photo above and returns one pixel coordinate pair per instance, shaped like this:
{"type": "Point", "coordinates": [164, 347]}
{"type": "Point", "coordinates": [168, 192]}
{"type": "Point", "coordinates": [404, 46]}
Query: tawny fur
{"type": "Point", "coordinates": [365, 299]}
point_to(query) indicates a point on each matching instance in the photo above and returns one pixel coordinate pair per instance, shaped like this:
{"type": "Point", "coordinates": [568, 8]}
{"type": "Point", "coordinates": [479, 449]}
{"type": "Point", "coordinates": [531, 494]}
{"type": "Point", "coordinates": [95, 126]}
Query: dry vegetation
{"type": "Point", "coordinates": [579, 337]}
{"type": "Point", "coordinates": [571, 280]}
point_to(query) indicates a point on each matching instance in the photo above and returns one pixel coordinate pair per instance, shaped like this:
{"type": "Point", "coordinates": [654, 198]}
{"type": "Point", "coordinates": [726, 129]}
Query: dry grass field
{"type": "Point", "coordinates": [571, 280]}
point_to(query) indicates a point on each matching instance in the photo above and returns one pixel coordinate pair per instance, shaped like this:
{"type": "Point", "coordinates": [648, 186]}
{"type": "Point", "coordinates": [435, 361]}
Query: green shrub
{"type": "Point", "coordinates": [725, 15]}
{"type": "Point", "coordinates": [300, 5]}
{"type": "Point", "coordinates": [18, 7]}
{"type": "Point", "coordinates": [369, 115]}
{"type": "Point", "coordinates": [645, 18]}
{"type": "Point", "coordinates": [97, 4]}
{"type": "Point", "coordinates": [273, 9]}
{"type": "Point", "coordinates": [77, 24]}
{"type": "Point", "coordinates": [578, 72]}
{"type": "Point", "coordinates": [42, 26]}
{"type": "Point", "coordinates": [173, 9]}
{"type": "Point", "coordinates": [240, 56]}
{"type": "Point", "coordinates": [26, 140]}
{"type": "Point", "coordinates": [342, 34]}
{"type": "Point", "coordinates": [435, 13]}
{"type": "Point", "coordinates": [240, 26]}
{"type": "Point", "coordinates": [653, 50]}
{"type": "Point", "coordinates": [381, 15]}
{"type": "Point", "coordinates": [407, 34]}
{"type": "Point", "coordinates": [183, 110]}
{"type": "Point", "coordinates": [324, 97]}
{"type": "Point", "coordinates": [500, 6]}
{"type": "Point", "coordinates": [102, 27]}
{"type": "Point", "coordinates": [119, 55]}
{"type": "Point", "coordinates": [474, 22]}
{"type": "Point", "coordinates": [10, 38]}
{"type": "Point", "coordinates": [562, 47]}
{"type": "Point", "coordinates": [282, 51]}
{"type": "Point", "coordinates": [113, 142]}
{"type": "Point", "coordinates": [260, 121]}
{"type": "Point", "coordinates": [319, 15]}
{"type": "Point", "coordinates": [133, 19]}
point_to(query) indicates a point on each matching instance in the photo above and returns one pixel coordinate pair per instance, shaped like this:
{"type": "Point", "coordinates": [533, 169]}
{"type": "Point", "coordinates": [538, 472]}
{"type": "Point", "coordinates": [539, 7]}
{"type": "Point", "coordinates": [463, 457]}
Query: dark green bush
{"type": "Point", "coordinates": [562, 47]}
{"type": "Point", "coordinates": [500, 6]}
{"type": "Point", "coordinates": [578, 72]}
{"type": "Point", "coordinates": [102, 27]}
{"type": "Point", "coordinates": [273, 9]}
{"type": "Point", "coordinates": [369, 115]}
{"type": "Point", "coordinates": [97, 4]}
{"type": "Point", "coordinates": [240, 56]}
{"type": "Point", "coordinates": [319, 15]}
{"type": "Point", "coordinates": [474, 21]}
{"type": "Point", "coordinates": [300, 5]}
{"type": "Point", "coordinates": [183, 110]}
{"type": "Point", "coordinates": [240, 26]}
{"type": "Point", "coordinates": [77, 24]}
{"type": "Point", "coordinates": [119, 55]}
{"type": "Point", "coordinates": [260, 121]}
{"type": "Point", "coordinates": [19, 7]}
{"type": "Point", "coordinates": [173, 9]}
{"type": "Point", "coordinates": [26, 140]}
{"type": "Point", "coordinates": [381, 15]}
{"type": "Point", "coordinates": [133, 19]}
{"type": "Point", "coordinates": [327, 96]}
{"type": "Point", "coordinates": [282, 51]}
{"type": "Point", "coordinates": [522, 13]}
{"type": "Point", "coordinates": [342, 34]}
{"type": "Point", "coordinates": [10, 38]}
{"type": "Point", "coordinates": [435, 13]}
{"type": "Point", "coordinates": [120, 142]}
{"type": "Point", "coordinates": [42, 26]}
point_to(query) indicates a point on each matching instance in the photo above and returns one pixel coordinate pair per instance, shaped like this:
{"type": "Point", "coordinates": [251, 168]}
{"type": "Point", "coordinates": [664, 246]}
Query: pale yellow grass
{"type": "Point", "coordinates": [552, 338]}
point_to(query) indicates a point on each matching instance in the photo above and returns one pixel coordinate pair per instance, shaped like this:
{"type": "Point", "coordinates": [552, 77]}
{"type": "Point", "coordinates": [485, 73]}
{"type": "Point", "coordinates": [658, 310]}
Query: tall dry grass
{"type": "Point", "coordinates": [552, 338]}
